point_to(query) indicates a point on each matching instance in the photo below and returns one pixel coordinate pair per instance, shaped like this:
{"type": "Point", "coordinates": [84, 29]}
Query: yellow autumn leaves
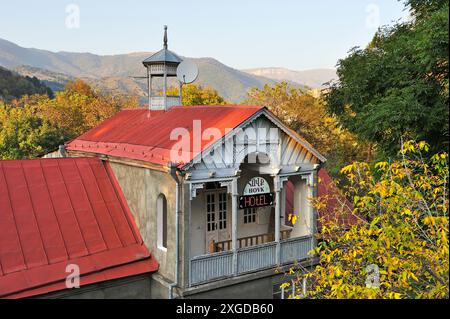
{"type": "Point", "coordinates": [402, 228]}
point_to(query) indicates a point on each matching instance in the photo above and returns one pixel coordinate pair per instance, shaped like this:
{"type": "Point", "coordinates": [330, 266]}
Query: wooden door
{"type": "Point", "coordinates": [217, 217]}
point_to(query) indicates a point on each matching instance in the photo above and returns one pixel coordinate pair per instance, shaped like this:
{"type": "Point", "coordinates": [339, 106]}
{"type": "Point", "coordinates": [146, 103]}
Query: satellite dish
{"type": "Point", "coordinates": [187, 72]}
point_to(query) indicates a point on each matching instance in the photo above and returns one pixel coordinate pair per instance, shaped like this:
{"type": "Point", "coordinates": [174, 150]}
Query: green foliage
{"type": "Point", "coordinates": [398, 85]}
{"type": "Point", "coordinates": [24, 134]}
{"type": "Point", "coordinates": [420, 8]}
{"type": "Point", "coordinates": [194, 94]}
{"type": "Point", "coordinates": [14, 86]}
{"type": "Point", "coordinates": [34, 125]}
{"type": "Point", "coordinates": [402, 208]}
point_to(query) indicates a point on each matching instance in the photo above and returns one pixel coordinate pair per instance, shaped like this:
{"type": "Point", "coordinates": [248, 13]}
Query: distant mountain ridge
{"type": "Point", "coordinates": [116, 73]}
{"type": "Point", "coordinates": [316, 78]}
{"type": "Point", "coordinates": [55, 81]}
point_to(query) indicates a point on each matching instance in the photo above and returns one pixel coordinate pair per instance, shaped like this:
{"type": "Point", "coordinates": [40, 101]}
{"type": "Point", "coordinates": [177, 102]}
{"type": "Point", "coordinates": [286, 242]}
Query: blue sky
{"type": "Point", "coordinates": [295, 34]}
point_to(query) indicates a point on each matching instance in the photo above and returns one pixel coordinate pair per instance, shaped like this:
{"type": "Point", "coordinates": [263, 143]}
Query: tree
{"type": "Point", "coordinates": [79, 108]}
{"type": "Point", "coordinates": [306, 114]}
{"type": "Point", "coordinates": [24, 134]}
{"type": "Point", "coordinates": [37, 124]}
{"type": "Point", "coordinates": [13, 86]}
{"type": "Point", "coordinates": [194, 94]}
{"type": "Point", "coordinates": [399, 248]}
{"type": "Point", "coordinates": [398, 85]}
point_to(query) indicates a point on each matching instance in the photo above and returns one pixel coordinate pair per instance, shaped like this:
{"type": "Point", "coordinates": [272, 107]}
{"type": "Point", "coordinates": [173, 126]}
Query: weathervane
{"type": "Point", "coordinates": [165, 37]}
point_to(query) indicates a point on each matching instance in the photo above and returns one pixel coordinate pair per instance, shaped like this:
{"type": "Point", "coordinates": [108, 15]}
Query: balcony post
{"type": "Point", "coordinates": [278, 185]}
{"type": "Point", "coordinates": [277, 188]}
{"type": "Point", "coordinates": [234, 223]}
{"type": "Point", "coordinates": [165, 88]}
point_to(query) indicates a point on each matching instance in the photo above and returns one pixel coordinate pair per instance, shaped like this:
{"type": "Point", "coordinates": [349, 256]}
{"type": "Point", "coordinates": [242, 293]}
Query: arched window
{"type": "Point", "coordinates": [161, 221]}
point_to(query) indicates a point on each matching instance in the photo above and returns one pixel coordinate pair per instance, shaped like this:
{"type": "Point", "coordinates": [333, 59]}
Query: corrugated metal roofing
{"type": "Point", "coordinates": [55, 212]}
{"type": "Point", "coordinates": [144, 135]}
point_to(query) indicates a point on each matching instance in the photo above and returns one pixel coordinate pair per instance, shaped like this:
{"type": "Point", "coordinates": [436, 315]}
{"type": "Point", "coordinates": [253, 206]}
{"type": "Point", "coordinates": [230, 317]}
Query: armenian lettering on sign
{"type": "Point", "coordinates": [257, 185]}
{"type": "Point", "coordinates": [256, 194]}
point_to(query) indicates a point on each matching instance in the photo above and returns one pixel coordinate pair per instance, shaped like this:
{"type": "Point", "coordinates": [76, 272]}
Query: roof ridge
{"type": "Point", "coordinates": [44, 159]}
{"type": "Point", "coordinates": [235, 106]}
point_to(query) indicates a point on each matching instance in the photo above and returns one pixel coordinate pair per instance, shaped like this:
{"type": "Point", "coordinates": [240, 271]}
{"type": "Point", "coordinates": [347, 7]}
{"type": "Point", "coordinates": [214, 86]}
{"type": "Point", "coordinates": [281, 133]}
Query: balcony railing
{"type": "Point", "coordinates": [221, 265]}
{"type": "Point", "coordinates": [248, 241]}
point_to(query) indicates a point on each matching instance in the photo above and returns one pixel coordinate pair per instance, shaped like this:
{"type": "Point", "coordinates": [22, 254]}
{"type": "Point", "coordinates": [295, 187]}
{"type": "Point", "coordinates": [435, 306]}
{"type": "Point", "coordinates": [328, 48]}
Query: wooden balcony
{"type": "Point", "coordinates": [227, 264]}
{"type": "Point", "coordinates": [243, 242]}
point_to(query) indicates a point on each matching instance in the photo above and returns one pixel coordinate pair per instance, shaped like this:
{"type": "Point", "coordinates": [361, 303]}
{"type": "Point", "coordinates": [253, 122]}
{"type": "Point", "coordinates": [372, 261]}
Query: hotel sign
{"type": "Point", "coordinates": [256, 194]}
{"type": "Point", "coordinates": [257, 185]}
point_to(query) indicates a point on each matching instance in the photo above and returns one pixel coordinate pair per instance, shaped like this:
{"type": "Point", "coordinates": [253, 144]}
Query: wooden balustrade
{"type": "Point", "coordinates": [220, 265]}
{"type": "Point", "coordinates": [247, 241]}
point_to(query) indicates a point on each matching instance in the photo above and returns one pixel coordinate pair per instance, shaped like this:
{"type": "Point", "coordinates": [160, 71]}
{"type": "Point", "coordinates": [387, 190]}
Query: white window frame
{"type": "Point", "coordinates": [250, 215]}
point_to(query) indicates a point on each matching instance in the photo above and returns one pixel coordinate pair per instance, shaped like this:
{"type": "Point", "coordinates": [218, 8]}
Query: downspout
{"type": "Point", "coordinates": [173, 173]}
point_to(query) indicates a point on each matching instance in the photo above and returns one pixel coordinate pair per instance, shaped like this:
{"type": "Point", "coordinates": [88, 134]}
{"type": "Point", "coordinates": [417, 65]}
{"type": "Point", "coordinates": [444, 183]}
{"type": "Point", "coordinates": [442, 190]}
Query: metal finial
{"type": "Point", "coordinates": [165, 37]}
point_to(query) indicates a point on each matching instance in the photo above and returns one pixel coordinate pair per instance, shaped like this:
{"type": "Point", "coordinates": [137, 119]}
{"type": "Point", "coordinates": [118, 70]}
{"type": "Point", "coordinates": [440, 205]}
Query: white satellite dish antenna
{"type": "Point", "coordinates": [187, 72]}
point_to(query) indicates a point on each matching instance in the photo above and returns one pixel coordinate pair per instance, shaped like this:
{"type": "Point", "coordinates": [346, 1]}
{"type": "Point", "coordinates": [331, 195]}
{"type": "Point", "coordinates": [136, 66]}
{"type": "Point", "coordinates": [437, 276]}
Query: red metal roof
{"type": "Point", "coordinates": [55, 212]}
{"type": "Point", "coordinates": [144, 135]}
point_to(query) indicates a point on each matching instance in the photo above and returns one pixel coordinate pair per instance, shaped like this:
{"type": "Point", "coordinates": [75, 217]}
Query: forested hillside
{"type": "Point", "coordinates": [13, 85]}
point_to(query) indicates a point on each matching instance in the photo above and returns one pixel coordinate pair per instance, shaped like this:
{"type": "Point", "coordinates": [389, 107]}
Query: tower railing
{"type": "Point", "coordinates": [157, 102]}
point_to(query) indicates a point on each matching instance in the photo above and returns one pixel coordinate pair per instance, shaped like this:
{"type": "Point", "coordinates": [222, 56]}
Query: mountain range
{"type": "Point", "coordinates": [120, 73]}
{"type": "Point", "coordinates": [316, 78]}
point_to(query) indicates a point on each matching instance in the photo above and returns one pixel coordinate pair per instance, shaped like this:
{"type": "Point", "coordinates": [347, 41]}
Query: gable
{"type": "Point", "coordinates": [262, 133]}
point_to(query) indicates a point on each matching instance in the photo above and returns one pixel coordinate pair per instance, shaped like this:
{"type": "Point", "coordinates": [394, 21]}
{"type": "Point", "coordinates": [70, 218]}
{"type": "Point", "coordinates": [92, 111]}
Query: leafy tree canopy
{"type": "Point", "coordinates": [34, 125]}
{"type": "Point", "coordinates": [398, 85]}
{"type": "Point", "coordinates": [399, 248]}
{"type": "Point", "coordinates": [25, 134]}
{"type": "Point", "coordinates": [194, 94]}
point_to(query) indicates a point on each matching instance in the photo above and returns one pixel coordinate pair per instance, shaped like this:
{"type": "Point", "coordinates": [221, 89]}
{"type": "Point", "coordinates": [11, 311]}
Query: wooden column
{"type": "Point", "coordinates": [234, 223]}
{"type": "Point", "coordinates": [165, 87]}
{"type": "Point", "coordinates": [277, 187]}
{"type": "Point", "coordinates": [149, 86]}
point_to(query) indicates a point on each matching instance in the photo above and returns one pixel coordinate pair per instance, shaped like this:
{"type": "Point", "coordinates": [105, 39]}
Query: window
{"type": "Point", "coordinates": [249, 215]}
{"type": "Point", "coordinates": [161, 211]}
{"type": "Point", "coordinates": [211, 212]}
{"type": "Point", "coordinates": [216, 211]}
{"type": "Point", "coordinates": [222, 211]}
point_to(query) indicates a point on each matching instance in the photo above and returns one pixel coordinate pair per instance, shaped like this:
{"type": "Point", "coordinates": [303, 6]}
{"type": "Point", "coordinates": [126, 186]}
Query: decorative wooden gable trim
{"type": "Point", "coordinates": [286, 149]}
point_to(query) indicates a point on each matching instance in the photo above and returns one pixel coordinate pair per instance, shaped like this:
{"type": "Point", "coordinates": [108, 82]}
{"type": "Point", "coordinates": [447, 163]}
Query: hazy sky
{"type": "Point", "coordinates": [296, 34]}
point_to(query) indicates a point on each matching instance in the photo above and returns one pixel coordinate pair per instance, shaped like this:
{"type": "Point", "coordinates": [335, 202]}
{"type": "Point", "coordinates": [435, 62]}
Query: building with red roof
{"type": "Point", "coordinates": [60, 212]}
{"type": "Point", "coordinates": [185, 173]}
{"type": "Point", "coordinates": [165, 202]}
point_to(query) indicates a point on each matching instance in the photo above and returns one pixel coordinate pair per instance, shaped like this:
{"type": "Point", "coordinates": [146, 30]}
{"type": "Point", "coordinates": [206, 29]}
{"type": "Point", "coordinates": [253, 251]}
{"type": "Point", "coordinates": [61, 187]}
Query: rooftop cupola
{"type": "Point", "coordinates": [161, 73]}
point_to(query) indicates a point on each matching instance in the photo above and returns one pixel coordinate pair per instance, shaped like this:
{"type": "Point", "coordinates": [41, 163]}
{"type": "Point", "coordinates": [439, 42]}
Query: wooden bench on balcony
{"type": "Point", "coordinates": [215, 247]}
